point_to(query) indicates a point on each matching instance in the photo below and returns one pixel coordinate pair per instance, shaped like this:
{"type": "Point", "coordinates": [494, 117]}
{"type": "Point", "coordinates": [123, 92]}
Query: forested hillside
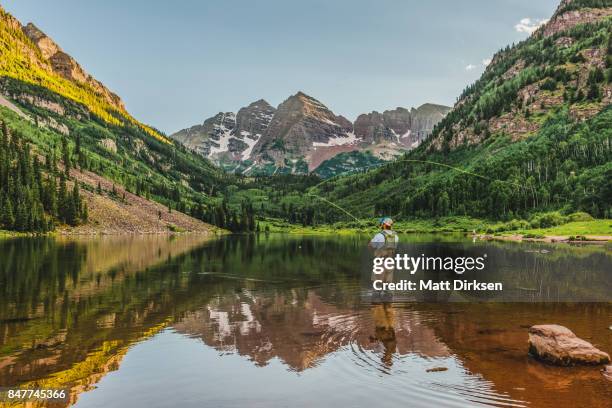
{"type": "Point", "coordinates": [128, 160]}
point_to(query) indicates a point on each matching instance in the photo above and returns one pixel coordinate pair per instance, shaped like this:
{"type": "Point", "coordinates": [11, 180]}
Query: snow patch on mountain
{"type": "Point", "coordinates": [348, 139]}
{"type": "Point", "coordinates": [251, 141]}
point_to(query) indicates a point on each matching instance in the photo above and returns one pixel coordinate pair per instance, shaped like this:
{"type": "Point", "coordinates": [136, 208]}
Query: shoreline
{"type": "Point", "coordinates": [522, 236]}
{"type": "Point", "coordinates": [549, 239]}
{"type": "Point", "coordinates": [4, 234]}
{"type": "Point", "coordinates": [587, 231]}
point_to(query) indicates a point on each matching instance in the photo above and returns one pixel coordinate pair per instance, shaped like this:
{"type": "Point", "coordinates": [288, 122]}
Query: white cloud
{"type": "Point", "coordinates": [470, 67]}
{"type": "Point", "coordinates": [486, 61]}
{"type": "Point", "coordinates": [528, 25]}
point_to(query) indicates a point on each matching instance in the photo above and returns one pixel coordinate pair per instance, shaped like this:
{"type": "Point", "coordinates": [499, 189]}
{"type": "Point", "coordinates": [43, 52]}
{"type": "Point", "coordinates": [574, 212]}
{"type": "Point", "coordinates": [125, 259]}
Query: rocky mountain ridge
{"type": "Point", "coordinates": [66, 66]}
{"type": "Point", "coordinates": [302, 133]}
{"type": "Point", "coordinates": [229, 135]}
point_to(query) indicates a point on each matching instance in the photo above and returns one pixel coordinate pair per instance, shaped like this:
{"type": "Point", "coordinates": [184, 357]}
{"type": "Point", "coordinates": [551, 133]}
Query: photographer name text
{"type": "Point", "coordinates": [431, 285]}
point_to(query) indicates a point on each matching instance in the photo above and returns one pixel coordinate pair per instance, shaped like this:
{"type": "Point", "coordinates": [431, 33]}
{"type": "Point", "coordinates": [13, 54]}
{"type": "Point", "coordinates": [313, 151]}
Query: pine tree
{"type": "Point", "coordinates": [8, 219]}
{"type": "Point", "coordinates": [76, 204]}
{"type": "Point", "coordinates": [66, 156]}
{"type": "Point", "coordinates": [62, 199]}
{"type": "Point", "coordinates": [77, 151]}
{"type": "Point", "coordinates": [85, 214]}
{"type": "Point", "coordinates": [50, 196]}
{"type": "Point", "coordinates": [593, 93]}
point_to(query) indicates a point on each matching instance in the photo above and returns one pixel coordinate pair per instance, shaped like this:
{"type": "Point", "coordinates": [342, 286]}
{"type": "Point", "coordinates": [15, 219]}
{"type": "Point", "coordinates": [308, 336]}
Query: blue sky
{"type": "Point", "coordinates": [177, 63]}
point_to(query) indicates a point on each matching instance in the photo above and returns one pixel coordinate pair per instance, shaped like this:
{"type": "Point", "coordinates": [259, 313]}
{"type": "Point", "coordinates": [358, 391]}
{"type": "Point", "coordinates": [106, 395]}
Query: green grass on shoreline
{"type": "Point", "coordinates": [578, 228]}
{"type": "Point", "coordinates": [14, 234]}
{"type": "Point", "coordinates": [592, 227]}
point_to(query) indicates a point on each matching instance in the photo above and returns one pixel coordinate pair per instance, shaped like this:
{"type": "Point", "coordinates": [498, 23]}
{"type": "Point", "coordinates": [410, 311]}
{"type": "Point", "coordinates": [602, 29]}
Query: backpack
{"type": "Point", "coordinates": [391, 237]}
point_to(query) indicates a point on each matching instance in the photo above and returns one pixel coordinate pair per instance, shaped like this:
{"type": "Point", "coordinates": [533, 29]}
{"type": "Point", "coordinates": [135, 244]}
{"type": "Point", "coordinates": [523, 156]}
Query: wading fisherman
{"type": "Point", "coordinates": [386, 238]}
{"type": "Point", "coordinates": [384, 245]}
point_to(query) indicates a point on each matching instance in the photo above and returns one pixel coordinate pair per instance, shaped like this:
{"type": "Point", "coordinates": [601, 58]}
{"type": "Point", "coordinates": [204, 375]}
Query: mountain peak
{"type": "Point", "coordinates": [64, 65]}
{"type": "Point", "coordinates": [45, 44]}
{"type": "Point", "coordinates": [260, 102]}
{"type": "Point", "coordinates": [306, 98]}
{"type": "Point", "coordinates": [433, 108]}
{"type": "Point", "coordinates": [33, 31]}
{"type": "Point", "coordinates": [307, 105]}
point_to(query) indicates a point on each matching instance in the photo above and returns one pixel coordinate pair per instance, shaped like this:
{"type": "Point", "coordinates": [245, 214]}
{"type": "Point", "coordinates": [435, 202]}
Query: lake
{"type": "Point", "coordinates": [281, 320]}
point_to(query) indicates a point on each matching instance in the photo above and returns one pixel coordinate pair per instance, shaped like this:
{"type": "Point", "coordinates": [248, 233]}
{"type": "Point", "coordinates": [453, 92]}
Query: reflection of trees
{"type": "Point", "coordinates": [63, 301]}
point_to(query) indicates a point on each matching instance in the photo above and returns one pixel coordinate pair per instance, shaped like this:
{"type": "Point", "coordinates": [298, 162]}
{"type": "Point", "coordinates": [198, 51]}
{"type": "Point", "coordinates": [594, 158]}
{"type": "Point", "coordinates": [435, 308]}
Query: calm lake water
{"type": "Point", "coordinates": [280, 320]}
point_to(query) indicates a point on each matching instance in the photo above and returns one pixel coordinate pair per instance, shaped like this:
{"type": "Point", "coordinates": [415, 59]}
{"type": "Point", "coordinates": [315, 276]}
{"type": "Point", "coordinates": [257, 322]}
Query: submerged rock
{"type": "Point", "coordinates": [560, 346]}
{"type": "Point", "coordinates": [436, 369]}
{"type": "Point", "coordinates": [607, 372]}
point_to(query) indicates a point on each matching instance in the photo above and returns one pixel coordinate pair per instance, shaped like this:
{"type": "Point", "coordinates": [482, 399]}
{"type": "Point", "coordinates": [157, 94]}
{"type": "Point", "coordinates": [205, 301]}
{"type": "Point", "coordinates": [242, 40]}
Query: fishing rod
{"type": "Point", "coordinates": [423, 162]}
{"type": "Point", "coordinates": [402, 161]}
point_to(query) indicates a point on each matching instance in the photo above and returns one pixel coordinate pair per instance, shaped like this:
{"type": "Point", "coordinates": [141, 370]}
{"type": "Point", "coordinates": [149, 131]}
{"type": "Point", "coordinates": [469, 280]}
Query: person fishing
{"type": "Point", "coordinates": [386, 238]}
{"type": "Point", "coordinates": [384, 245]}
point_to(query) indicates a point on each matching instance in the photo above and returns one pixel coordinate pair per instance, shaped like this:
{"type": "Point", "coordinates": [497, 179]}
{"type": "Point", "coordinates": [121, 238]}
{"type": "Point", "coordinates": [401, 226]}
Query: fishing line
{"type": "Point", "coordinates": [337, 206]}
{"type": "Point", "coordinates": [401, 161]}
{"type": "Point", "coordinates": [419, 161]}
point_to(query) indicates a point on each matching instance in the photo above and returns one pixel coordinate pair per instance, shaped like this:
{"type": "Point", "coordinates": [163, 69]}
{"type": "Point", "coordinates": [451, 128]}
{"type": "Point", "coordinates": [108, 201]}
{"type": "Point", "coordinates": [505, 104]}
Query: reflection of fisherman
{"type": "Point", "coordinates": [384, 331]}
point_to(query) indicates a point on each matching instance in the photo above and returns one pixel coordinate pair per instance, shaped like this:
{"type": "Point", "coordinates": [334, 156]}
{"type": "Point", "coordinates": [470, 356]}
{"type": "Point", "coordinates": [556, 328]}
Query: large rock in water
{"type": "Point", "coordinates": [560, 346]}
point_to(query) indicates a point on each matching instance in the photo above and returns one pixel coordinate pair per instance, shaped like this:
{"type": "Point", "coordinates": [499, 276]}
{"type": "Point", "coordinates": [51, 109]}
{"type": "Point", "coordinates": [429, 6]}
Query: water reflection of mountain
{"type": "Point", "coordinates": [300, 328]}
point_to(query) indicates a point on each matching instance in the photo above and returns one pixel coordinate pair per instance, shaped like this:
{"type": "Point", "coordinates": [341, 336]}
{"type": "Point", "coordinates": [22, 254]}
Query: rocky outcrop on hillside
{"type": "Point", "coordinates": [66, 66]}
{"type": "Point", "coordinates": [566, 18]}
{"type": "Point", "coordinates": [519, 88]}
{"type": "Point", "coordinates": [35, 71]}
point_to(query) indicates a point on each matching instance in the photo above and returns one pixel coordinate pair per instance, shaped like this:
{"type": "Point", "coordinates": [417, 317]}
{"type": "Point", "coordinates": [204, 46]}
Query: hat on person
{"type": "Point", "coordinates": [386, 221]}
